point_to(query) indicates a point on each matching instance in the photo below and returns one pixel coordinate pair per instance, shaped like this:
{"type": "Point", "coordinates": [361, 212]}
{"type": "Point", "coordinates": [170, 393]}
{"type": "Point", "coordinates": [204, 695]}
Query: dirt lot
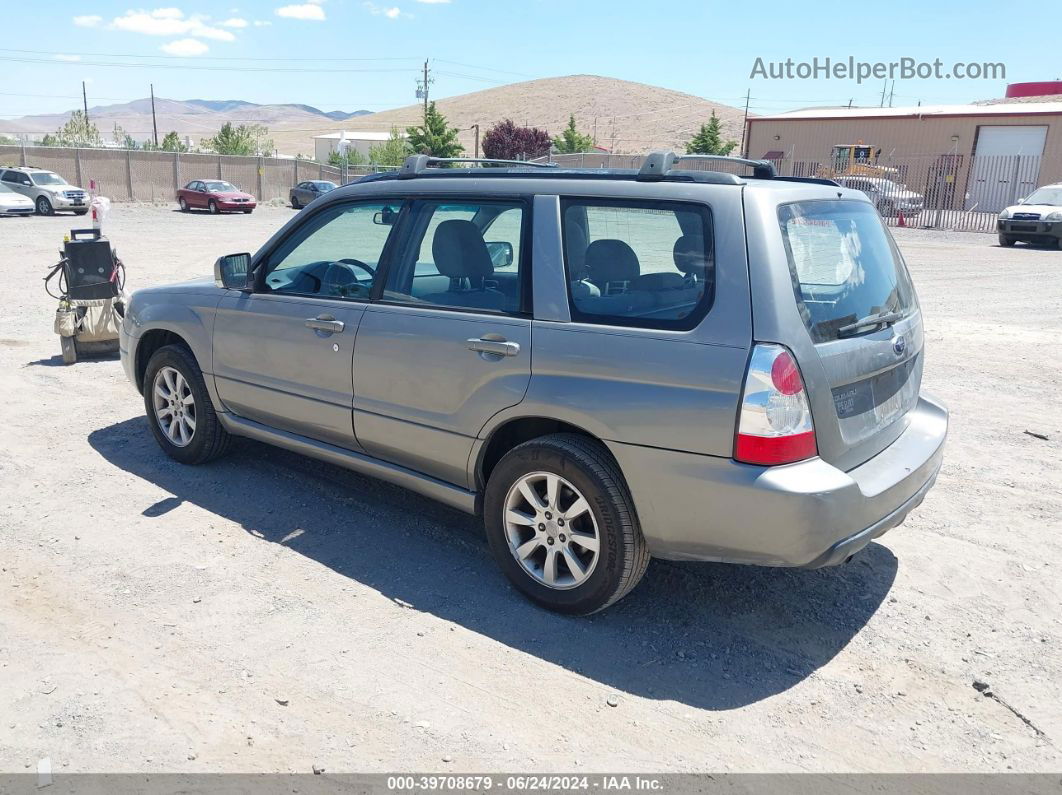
{"type": "Point", "coordinates": [270, 613]}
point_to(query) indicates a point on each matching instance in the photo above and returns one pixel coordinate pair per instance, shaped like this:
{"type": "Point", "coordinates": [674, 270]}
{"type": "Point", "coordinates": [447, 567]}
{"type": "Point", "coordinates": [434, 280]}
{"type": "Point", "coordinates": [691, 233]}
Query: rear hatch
{"type": "Point", "coordinates": [859, 306]}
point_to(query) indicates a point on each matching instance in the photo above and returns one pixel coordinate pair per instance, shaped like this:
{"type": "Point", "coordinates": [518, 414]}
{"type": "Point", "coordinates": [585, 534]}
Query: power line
{"type": "Point", "coordinates": [204, 67]}
{"type": "Point", "coordinates": [328, 58]}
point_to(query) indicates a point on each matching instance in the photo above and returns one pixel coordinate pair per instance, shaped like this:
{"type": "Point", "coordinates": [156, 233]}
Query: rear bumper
{"type": "Point", "coordinates": [810, 514]}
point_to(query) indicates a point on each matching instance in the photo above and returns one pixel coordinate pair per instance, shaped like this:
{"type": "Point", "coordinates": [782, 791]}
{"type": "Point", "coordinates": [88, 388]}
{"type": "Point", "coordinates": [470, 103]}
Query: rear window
{"type": "Point", "coordinates": [844, 265]}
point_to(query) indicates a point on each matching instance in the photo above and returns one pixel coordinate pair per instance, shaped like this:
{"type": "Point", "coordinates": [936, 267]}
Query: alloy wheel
{"type": "Point", "coordinates": [551, 530]}
{"type": "Point", "coordinates": [174, 406]}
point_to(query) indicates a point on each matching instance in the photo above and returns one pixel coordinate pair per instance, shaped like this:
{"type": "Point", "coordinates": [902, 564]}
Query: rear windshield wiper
{"type": "Point", "coordinates": [879, 319]}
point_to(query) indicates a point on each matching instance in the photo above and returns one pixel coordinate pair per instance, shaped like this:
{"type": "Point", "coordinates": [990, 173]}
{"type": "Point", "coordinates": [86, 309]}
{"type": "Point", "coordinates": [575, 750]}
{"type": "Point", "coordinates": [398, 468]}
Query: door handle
{"type": "Point", "coordinates": [325, 323]}
{"type": "Point", "coordinates": [498, 347]}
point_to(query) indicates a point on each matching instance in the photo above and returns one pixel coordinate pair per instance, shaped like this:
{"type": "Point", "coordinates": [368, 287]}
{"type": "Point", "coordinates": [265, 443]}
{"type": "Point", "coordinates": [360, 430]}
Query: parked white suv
{"type": "Point", "coordinates": [47, 190]}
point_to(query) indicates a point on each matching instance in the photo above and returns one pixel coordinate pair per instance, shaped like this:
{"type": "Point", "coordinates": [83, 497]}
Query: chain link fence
{"type": "Point", "coordinates": [152, 176]}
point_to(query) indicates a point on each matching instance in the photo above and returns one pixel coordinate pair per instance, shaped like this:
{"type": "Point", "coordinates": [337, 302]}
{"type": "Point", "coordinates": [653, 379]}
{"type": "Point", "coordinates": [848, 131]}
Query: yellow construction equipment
{"type": "Point", "coordinates": [855, 160]}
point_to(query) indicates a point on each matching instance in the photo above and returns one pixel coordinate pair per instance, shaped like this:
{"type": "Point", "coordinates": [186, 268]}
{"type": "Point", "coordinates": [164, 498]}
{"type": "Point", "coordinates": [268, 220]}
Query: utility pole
{"type": "Point", "coordinates": [476, 128]}
{"type": "Point", "coordinates": [890, 92]}
{"type": "Point", "coordinates": [745, 122]}
{"type": "Point", "coordinates": [154, 122]}
{"type": "Point", "coordinates": [424, 88]}
{"type": "Point", "coordinates": [850, 103]}
{"type": "Point", "coordinates": [883, 88]}
{"type": "Point", "coordinates": [84, 99]}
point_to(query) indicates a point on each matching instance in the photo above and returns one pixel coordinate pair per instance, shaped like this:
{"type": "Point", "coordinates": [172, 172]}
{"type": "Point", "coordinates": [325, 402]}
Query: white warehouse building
{"type": "Point", "coordinates": [359, 141]}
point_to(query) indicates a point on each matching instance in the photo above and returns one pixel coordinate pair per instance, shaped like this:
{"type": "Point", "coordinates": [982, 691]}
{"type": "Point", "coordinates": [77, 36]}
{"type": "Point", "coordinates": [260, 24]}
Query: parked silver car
{"type": "Point", "coordinates": [607, 365]}
{"type": "Point", "coordinates": [47, 190]}
{"type": "Point", "coordinates": [305, 192]}
{"type": "Point", "coordinates": [890, 197]}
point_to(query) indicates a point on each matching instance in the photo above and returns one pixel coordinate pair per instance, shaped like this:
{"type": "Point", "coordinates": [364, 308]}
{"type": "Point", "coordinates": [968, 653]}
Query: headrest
{"type": "Point", "coordinates": [459, 251]}
{"type": "Point", "coordinates": [575, 243]}
{"type": "Point", "coordinates": [611, 261]}
{"type": "Point", "coordinates": [689, 255]}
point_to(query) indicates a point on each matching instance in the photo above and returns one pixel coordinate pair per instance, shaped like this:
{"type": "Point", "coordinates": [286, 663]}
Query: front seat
{"type": "Point", "coordinates": [690, 259]}
{"type": "Point", "coordinates": [461, 255]}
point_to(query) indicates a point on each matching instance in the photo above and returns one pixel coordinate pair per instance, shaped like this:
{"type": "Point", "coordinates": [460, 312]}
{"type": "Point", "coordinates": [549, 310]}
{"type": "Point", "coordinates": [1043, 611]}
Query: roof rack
{"type": "Point", "coordinates": [418, 164]}
{"type": "Point", "coordinates": [659, 164]}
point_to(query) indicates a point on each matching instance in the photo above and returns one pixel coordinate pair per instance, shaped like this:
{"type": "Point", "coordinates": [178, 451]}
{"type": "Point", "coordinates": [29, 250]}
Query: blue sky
{"type": "Point", "coordinates": [696, 47]}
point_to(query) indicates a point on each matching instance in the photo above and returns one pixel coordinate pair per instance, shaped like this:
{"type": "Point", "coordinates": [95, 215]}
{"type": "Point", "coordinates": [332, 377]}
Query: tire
{"type": "Point", "coordinates": [584, 468]}
{"type": "Point", "coordinates": [295, 204]}
{"type": "Point", "coordinates": [213, 207]}
{"type": "Point", "coordinates": [44, 207]}
{"type": "Point", "coordinates": [1005, 240]}
{"type": "Point", "coordinates": [80, 212]}
{"type": "Point", "coordinates": [248, 212]}
{"type": "Point", "coordinates": [68, 345]}
{"type": "Point", "coordinates": [183, 204]}
{"type": "Point", "coordinates": [208, 439]}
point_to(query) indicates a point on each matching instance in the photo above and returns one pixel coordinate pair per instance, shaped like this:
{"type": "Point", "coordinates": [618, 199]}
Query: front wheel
{"type": "Point", "coordinates": [213, 206]}
{"type": "Point", "coordinates": [562, 526]}
{"type": "Point", "coordinates": [295, 204]}
{"type": "Point", "coordinates": [179, 411]}
{"type": "Point", "coordinates": [1005, 240]}
{"type": "Point", "coordinates": [44, 207]}
{"type": "Point", "coordinates": [248, 212]}
{"type": "Point", "coordinates": [183, 204]}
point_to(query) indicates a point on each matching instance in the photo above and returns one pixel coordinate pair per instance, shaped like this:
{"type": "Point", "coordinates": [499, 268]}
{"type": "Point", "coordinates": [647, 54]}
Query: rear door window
{"type": "Point", "coordinates": [640, 263]}
{"type": "Point", "coordinates": [844, 265]}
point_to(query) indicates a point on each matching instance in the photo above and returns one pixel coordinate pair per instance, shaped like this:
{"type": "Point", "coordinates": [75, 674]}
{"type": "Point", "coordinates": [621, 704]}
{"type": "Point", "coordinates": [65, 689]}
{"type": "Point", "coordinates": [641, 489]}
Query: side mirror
{"type": "Point", "coordinates": [233, 271]}
{"type": "Point", "coordinates": [1022, 200]}
{"type": "Point", "coordinates": [501, 253]}
{"type": "Point", "coordinates": [386, 217]}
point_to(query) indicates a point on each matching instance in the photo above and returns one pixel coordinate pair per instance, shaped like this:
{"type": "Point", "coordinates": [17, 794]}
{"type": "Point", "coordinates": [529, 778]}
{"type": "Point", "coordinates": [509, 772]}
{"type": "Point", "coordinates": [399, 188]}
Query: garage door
{"type": "Point", "coordinates": [1006, 165]}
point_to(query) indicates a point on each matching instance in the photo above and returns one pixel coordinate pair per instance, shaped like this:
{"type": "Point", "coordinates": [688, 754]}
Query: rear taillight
{"type": "Point", "coordinates": [774, 426]}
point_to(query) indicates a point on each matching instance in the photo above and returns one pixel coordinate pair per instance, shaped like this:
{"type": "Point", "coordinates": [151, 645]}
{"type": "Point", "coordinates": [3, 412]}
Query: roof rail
{"type": "Point", "coordinates": [658, 164]}
{"type": "Point", "coordinates": [418, 164]}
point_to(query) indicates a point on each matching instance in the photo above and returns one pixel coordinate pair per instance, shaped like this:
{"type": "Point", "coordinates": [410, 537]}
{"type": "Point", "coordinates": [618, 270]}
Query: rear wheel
{"type": "Point", "coordinates": [1006, 240]}
{"type": "Point", "coordinates": [44, 207]}
{"type": "Point", "coordinates": [562, 526]}
{"type": "Point", "coordinates": [181, 416]}
{"type": "Point", "coordinates": [213, 206]}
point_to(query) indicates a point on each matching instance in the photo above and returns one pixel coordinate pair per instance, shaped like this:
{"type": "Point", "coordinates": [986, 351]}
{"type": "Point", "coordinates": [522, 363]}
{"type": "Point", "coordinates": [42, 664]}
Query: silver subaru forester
{"type": "Point", "coordinates": [607, 365]}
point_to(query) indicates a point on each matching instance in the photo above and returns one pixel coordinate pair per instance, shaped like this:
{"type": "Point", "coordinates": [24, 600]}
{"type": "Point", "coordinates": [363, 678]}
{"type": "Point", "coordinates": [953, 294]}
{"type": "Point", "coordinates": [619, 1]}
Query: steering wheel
{"type": "Point", "coordinates": [340, 278]}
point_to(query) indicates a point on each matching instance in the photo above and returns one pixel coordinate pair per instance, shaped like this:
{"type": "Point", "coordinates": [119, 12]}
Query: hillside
{"type": "Point", "coordinates": [198, 118]}
{"type": "Point", "coordinates": [630, 117]}
{"type": "Point", "coordinates": [624, 116]}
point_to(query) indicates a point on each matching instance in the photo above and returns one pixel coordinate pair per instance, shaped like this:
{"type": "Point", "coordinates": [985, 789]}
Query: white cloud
{"type": "Point", "coordinates": [69, 58]}
{"type": "Point", "coordinates": [169, 22]}
{"type": "Point", "coordinates": [391, 12]}
{"type": "Point", "coordinates": [88, 21]}
{"type": "Point", "coordinates": [434, 2]}
{"type": "Point", "coordinates": [310, 10]}
{"type": "Point", "coordinates": [262, 23]}
{"type": "Point", "coordinates": [184, 47]}
{"type": "Point", "coordinates": [235, 22]}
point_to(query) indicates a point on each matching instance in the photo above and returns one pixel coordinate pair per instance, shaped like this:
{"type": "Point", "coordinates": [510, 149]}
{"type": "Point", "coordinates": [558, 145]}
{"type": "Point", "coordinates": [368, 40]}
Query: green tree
{"type": "Point", "coordinates": [435, 136]}
{"type": "Point", "coordinates": [349, 157]}
{"type": "Point", "coordinates": [78, 131]}
{"type": "Point", "coordinates": [392, 152]}
{"type": "Point", "coordinates": [171, 142]}
{"type": "Point", "coordinates": [571, 140]}
{"type": "Point", "coordinates": [246, 139]}
{"type": "Point", "coordinates": [124, 139]}
{"type": "Point", "coordinates": [709, 140]}
{"type": "Point", "coordinates": [6, 141]}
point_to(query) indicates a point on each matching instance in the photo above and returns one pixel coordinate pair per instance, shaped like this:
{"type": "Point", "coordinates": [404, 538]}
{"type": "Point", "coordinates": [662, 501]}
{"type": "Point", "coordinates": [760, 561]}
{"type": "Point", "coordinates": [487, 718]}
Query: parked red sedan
{"type": "Point", "coordinates": [215, 195]}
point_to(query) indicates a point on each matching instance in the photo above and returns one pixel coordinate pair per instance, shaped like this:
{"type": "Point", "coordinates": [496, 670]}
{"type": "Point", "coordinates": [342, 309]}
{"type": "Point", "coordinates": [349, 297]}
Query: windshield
{"type": "Point", "coordinates": [1051, 196]}
{"type": "Point", "coordinates": [221, 187]}
{"type": "Point", "coordinates": [46, 178]}
{"type": "Point", "coordinates": [324, 187]}
{"type": "Point", "coordinates": [844, 265]}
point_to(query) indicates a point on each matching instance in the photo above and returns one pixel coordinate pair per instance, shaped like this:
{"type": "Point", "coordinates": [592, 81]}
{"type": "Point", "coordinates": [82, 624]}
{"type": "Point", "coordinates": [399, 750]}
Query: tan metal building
{"type": "Point", "coordinates": [979, 157]}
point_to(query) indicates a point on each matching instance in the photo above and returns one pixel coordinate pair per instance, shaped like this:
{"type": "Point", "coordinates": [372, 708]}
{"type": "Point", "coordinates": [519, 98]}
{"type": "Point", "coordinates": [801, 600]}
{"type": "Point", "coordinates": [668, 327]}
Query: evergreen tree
{"type": "Point", "coordinates": [393, 152]}
{"type": "Point", "coordinates": [348, 157]}
{"type": "Point", "coordinates": [78, 131]}
{"type": "Point", "coordinates": [709, 140]}
{"type": "Point", "coordinates": [171, 142]}
{"type": "Point", "coordinates": [435, 136]}
{"type": "Point", "coordinates": [572, 141]}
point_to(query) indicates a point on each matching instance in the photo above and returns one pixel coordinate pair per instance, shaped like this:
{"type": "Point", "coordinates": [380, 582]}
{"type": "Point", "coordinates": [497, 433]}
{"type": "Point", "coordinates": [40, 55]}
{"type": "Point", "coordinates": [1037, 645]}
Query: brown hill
{"type": "Point", "coordinates": [624, 116]}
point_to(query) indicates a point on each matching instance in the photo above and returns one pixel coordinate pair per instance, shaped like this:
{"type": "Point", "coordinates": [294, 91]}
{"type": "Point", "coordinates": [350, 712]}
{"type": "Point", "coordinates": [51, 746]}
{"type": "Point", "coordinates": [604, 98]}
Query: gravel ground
{"type": "Point", "coordinates": [271, 613]}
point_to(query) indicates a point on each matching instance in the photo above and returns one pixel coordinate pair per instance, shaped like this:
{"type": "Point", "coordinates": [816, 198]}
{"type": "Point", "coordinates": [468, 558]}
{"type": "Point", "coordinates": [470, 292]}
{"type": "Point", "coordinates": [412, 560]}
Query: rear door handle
{"type": "Point", "coordinates": [325, 323]}
{"type": "Point", "coordinates": [499, 347]}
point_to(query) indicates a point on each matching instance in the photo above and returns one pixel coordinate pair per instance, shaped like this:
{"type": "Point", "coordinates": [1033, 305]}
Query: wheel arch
{"type": "Point", "coordinates": [149, 342]}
